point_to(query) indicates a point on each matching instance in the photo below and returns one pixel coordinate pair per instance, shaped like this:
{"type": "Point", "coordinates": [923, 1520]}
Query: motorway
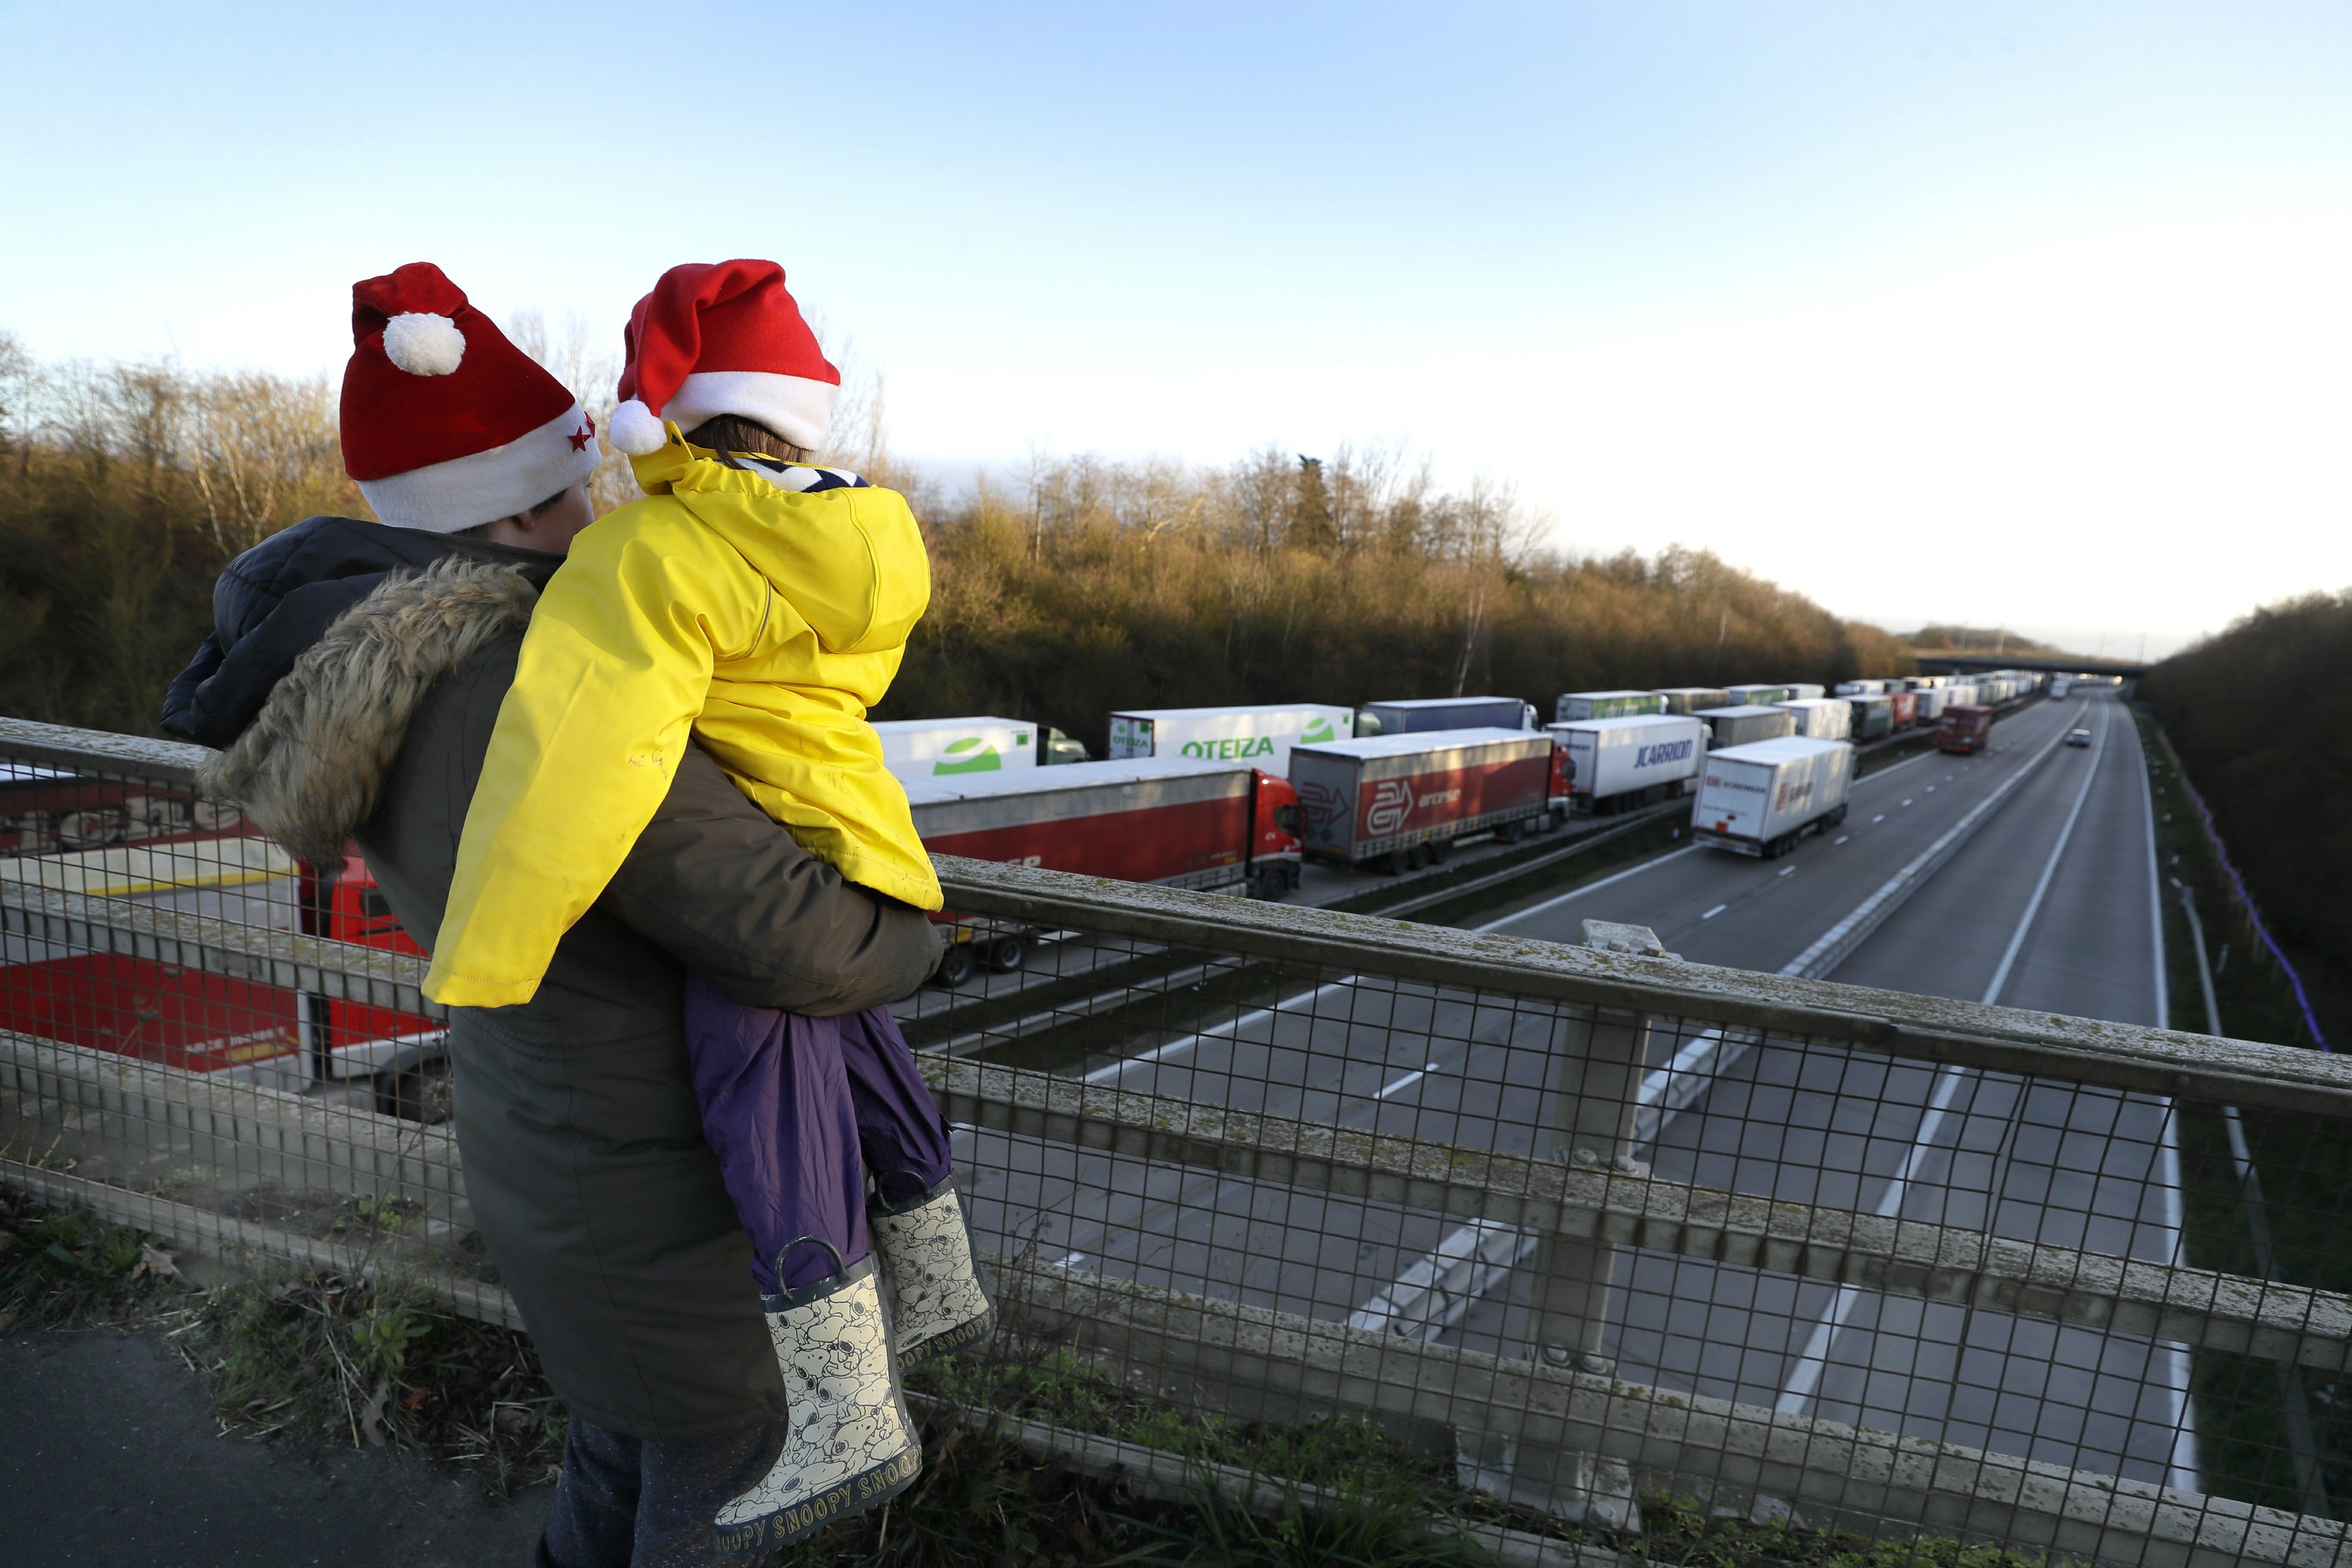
{"type": "Point", "coordinates": [2049, 906]}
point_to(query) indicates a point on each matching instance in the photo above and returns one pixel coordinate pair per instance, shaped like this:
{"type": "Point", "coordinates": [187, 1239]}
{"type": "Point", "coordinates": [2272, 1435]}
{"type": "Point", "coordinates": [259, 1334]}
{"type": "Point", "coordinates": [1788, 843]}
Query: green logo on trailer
{"type": "Point", "coordinates": [1317, 732]}
{"type": "Point", "coordinates": [972, 754]}
{"type": "Point", "coordinates": [1230, 751]}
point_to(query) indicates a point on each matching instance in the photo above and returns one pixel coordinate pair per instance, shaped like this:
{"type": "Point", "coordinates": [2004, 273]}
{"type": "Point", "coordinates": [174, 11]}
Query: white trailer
{"type": "Point", "coordinates": [1614, 764]}
{"type": "Point", "coordinates": [1821, 718]}
{"type": "Point", "coordinates": [1863, 687]}
{"type": "Point", "coordinates": [1759, 799]}
{"type": "Point", "coordinates": [1426, 715]}
{"type": "Point", "coordinates": [1738, 726]}
{"type": "Point", "coordinates": [1805, 691]}
{"type": "Point", "coordinates": [944, 748]}
{"type": "Point", "coordinates": [1932, 701]}
{"type": "Point", "coordinates": [1260, 734]}
{"type": "Point", "coordinates": [1756, 696]}
{"type": "Point", "coordinates": [1576, 705]}
{"type": "Point", "coordinates": [1691, 698]}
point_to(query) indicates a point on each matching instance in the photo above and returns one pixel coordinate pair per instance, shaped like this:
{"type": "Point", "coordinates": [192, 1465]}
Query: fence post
{"type": "Point", "coordinates": [1594, 1090]}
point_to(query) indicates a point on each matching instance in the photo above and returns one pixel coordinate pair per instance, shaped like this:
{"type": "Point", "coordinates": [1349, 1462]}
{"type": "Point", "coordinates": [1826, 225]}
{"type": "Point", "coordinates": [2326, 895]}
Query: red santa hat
{"type": "Point", "coordinates": [722, 338]}
{"type": "Point", "coordinates": [445, 425]}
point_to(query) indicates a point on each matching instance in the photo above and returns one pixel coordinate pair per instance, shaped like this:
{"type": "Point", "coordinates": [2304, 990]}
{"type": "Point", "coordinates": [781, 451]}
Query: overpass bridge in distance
{"type": "Point", "coordinates": [1950, 663]}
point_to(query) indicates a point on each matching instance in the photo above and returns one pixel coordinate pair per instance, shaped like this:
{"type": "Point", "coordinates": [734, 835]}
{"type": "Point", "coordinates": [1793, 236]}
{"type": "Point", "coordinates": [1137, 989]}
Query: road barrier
{"type": "Point", "coordinates": [1213, 1147]}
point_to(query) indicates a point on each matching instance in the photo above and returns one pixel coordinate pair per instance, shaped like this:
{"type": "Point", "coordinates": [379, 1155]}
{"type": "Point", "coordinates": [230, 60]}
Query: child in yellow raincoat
{"type": "Point", "coordinates": [761, 604]}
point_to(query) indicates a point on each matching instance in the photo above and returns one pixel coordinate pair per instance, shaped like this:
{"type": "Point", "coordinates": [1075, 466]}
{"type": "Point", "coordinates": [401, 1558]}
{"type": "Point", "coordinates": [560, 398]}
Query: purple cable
{"type": "Point", "coordinates": [2247, 898]}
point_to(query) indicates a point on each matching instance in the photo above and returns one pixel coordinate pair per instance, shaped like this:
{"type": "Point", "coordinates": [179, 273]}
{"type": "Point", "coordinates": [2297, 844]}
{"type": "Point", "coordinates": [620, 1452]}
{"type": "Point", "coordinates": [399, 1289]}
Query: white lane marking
{"type": "Point", "coordinates": [1407, 1081]}
{"type": "Point", "coordinates": [1931, 789]}
{"type": "Point", "coordinates": [1840, 839]}
{"type": "Point", "coordinates": [1714, 911]}
{"type": "Point", "coordinates": [1787, 871]}
{"type": "Point", "coordinates": [1805, 1377]}
{"type": "Point", "coordinates": [1891, 768]}
{"type": "Point", "coordinates": [1906, 800]}
{"type": "Point", "coordinates": [1880, 818]}
{"type": "Point", "coordinates": [1072, 1261]}
{"type": "Point", "coordinates": [1553, 903]}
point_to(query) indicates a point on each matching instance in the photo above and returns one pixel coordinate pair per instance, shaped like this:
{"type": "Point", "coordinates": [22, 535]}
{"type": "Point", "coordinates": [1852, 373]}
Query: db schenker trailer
{"type": "Point", "coordinates": [1398, 801]}
{"type": "Point", "coordinates": [1617, 764]}
{"type": "Point", "coordinates": [1965, 728]}
{"type": "Point", "coordinates": [1424, 715]}
{"type": "Point", "coordinates": [1261, 734]}
{"type": "Point", "coordinates": [1172, 821]}
{"type": "Point", "coordinates": [1575, 705]}
{"type": "Point", "coordinates": [1759, 799]}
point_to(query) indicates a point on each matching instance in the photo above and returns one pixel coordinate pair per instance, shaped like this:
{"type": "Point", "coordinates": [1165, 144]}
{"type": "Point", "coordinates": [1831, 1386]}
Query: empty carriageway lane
{"type": "Point", "coordinates": [1440, 1066]}
{"type": "Point", "coordinates": [2049, 908]}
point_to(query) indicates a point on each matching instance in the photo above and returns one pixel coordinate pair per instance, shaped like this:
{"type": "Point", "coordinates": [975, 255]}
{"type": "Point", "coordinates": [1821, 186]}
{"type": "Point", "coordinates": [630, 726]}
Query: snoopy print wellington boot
{"type": "Point", "coordinates": [848, 1445]}
{"type": "Point", "coordinates": [937, 1305]}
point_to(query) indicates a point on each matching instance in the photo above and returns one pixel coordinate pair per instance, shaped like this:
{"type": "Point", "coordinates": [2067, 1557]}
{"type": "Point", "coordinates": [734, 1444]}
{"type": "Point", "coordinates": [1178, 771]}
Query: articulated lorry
{"type": "Point", "coordinates": [1621, 765]}
{"type": "Point", "coordinates": [1261, 734]}
{"type": "Point", "coordinates": [945, 748]}
{"type": "Point", "coordinates": [1874, 715]}
{"type": "Point", "coordinates": [1805, 691]}
{"type": "Point", "coordinates": [1691, 698]}
{"type": "Point", "coordinates": [1740, 725]}
{"type": "Point", "coordinates": [1821, 718]}
{"type": "Point", "coordinates": [1759, 799]}
{"type": "Point", "coordinates": [1575, 705]}
{"type": "Point", "coordinates": [1965, 728]}
{"type": "Point", "coordinates": [1757, 696]}
{"type": "Point", "coordinates": [1172, 821]}
{"type": "Point", "coordinates": [1423, 715]}
{"type": "Point", "coordinates": [1398, 801]}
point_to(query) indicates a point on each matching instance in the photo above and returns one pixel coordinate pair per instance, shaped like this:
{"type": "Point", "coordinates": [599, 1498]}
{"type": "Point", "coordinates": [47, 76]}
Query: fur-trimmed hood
{"type": "Point", "coordinates": [308, 768]}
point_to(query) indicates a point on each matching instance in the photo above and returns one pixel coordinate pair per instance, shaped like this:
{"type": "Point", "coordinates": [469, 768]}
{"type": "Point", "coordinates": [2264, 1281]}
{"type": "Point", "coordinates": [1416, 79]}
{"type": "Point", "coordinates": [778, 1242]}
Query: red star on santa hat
{"type": "Point", "coordinates": [579, 438]}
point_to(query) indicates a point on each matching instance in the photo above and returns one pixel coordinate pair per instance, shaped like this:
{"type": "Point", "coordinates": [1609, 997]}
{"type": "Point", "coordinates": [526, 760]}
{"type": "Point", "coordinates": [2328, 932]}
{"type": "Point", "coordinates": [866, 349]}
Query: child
{"type": "Point", "coordinates": [764, 606]}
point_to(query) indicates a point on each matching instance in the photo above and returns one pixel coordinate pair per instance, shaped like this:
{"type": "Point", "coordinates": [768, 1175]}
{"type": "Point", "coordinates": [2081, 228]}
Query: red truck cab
{"type": "Point", "coordinates": [1278, 838]}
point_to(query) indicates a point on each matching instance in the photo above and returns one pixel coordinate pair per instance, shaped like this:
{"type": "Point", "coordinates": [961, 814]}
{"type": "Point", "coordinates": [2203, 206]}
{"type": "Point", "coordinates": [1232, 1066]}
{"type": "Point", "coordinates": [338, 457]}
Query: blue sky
{"type": "Point", "coordinates": [2032, 313]}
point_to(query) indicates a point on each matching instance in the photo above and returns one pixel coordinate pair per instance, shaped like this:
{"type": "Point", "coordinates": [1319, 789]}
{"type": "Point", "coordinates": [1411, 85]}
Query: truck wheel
{"type": "Point", "coordinates": [1396, 862]}
{"type": "Point", "coordinates": [955, 965]}
{"type": "Point", "coordinates": [1007, 953]}
{"type": "Point", "coordinates": [1514, 830]}
{"type": "Point", "coordinates": [1441, 850]}
{"type": "Point", "coordinates": [420, 1093]}
{"type": "Point", "coordinates": [1270, 884]}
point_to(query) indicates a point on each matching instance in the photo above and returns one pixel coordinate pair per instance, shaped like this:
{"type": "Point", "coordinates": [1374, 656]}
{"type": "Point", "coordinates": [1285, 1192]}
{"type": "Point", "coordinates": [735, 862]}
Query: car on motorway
{"type": "Point", "coordinates": [2078, 737]}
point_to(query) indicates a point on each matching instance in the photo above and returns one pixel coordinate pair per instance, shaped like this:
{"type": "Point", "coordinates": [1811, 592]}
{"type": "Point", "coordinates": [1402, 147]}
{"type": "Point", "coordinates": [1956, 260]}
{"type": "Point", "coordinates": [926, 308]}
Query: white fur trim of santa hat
{"type": "Point", "coordinates": [794, 406]}
{"type": "Point", "coordinates": [482, 487]}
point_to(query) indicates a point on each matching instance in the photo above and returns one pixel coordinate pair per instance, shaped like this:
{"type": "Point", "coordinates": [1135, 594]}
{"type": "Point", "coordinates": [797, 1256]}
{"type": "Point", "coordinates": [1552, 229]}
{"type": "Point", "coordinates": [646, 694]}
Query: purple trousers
{"type": "Point", "coordinates": [801, 1111]}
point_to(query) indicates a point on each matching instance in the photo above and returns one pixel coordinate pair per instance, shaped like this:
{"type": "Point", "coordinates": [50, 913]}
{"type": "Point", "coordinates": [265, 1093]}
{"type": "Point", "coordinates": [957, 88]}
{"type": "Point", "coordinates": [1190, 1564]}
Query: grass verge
{"type": "Point", "coordinates": [1681, 1531]}
{"type": "Point", "coordinates": [2305, 1165]}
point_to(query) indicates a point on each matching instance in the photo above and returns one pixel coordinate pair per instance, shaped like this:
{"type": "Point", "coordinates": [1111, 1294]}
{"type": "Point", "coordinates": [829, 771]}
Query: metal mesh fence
{"type": "Point", "coordinates": [1572, 1230]}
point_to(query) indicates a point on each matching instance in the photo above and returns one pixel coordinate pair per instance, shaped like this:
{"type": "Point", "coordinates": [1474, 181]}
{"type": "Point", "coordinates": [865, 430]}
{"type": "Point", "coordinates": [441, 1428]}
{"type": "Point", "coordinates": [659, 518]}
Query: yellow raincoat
{"type": "Point", "coordinates": [767, 622]}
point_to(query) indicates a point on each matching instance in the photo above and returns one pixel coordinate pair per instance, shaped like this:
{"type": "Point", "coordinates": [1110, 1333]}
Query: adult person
{"type": "Point", "coordinates": [353, 676]}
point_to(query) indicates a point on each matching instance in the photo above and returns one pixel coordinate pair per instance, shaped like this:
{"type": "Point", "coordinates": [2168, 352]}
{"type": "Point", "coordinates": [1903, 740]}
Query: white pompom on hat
{"type": "Point", "coordinates": [446, 424]}
{"type": "Point", "coordinates": [722, 338]}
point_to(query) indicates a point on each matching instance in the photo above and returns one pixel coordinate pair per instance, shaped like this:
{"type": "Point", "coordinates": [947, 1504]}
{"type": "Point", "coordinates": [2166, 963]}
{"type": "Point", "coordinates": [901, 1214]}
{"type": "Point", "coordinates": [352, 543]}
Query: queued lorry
{"type": "Point", "coordinates": [1622, 764]}
{"type": "Point", "coordinates": [943, 748]}
{"type": "Point", "coordinates": [1757, 696]}
{"type": "Point", "coordinates": [1260, 734]}
{"type": "Point", "coordinates": [1424, 715]}
{"type": "Point", "coordinates": [1692, 699]}
{"type": "Point", "coordinates": [1395, 803]}
{"type": "Point", "coordinates": [1874, 715]}
{"type": "Point", "coordinates": [1965, 728]}
{"type": "Point", "coordinates": [1576, 705]}
{"type": "Point", "coordinates": [1821, 718]}
{"type": "Point", "coordinates": [1175, 822]}
{"type": "Point", "coordinates": [1761, 798]}
{"type": "Point", "coordinates": [1737, 726]}
{"type": "Point", "coordinates": [159, 846]}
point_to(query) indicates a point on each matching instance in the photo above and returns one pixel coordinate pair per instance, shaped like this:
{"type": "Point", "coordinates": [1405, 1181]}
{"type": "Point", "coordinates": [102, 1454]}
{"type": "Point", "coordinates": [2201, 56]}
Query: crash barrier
{"type": "Point", "coordinates": [1899, 1266]}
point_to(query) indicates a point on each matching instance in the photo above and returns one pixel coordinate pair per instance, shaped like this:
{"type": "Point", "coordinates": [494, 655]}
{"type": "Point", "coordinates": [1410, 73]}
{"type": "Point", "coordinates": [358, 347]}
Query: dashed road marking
{"type": "Point", "coordinates": [1714, 911]}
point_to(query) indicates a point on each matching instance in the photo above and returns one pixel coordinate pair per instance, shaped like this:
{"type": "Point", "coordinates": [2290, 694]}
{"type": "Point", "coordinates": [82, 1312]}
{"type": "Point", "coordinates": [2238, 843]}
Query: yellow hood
{"type": "Point", "coordinates": [763, 620]}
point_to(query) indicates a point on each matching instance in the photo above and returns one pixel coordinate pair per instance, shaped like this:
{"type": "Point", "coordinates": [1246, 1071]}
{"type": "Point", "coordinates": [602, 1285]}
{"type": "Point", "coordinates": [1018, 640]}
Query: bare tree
{"type": "Point", "coordinates": [264, 452]}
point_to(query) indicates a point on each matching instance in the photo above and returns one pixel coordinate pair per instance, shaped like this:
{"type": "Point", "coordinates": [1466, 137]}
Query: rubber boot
{"type": "Point", "coordinates": [848, 1444]}
{"type": "Point", "coordinates": [937, 1305]}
